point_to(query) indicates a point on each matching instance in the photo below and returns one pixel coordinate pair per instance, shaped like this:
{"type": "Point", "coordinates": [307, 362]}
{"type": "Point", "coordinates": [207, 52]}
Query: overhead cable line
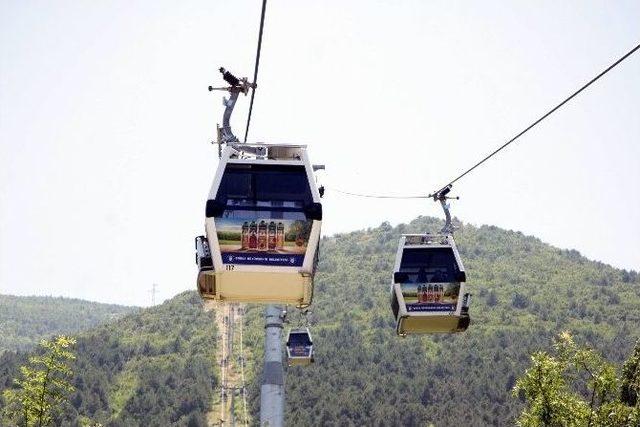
{"type": "Point", "coordinates": [547, 114]}
{"type": "Point", "coordinates": [380, 196]}
{"type": "Point", "coordinates": [503, 146]}
{"type": "Point", "coordinates": [255, 71]}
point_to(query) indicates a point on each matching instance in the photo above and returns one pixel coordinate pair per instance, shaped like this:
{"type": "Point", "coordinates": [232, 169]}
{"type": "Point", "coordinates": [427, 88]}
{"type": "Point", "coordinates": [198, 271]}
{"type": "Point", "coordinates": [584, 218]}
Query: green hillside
{"type": "Point", "coordinates": [150, 368]}
{"type": "Point", "coordinates": [24, 321]}
{"type": "Point", "coordinates": [525, 292]}
{"type": "Point", "coordinates": [156, 367]}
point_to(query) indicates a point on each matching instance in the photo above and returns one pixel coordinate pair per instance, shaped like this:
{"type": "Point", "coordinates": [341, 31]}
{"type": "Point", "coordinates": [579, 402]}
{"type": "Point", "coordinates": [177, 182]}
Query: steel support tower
{"type": "Point", "coordinates": [272, 389]}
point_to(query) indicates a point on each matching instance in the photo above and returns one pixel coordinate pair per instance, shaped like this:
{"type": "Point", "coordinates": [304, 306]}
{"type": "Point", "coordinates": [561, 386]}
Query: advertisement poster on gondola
{"type": "Point", "coordinates": [436, 297]}
{"type": "Point", "coordinates": [259, 241]}
{"type": "Point", "coordinates": [299, 350]}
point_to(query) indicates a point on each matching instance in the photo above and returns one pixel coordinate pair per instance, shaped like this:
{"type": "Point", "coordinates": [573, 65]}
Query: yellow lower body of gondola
{"type": "Point", "coordinates": [300, 361]}
{"type": "Point", "coordinates": [429, 324]}
{"type": "Point", "coordinates": [256, 287]}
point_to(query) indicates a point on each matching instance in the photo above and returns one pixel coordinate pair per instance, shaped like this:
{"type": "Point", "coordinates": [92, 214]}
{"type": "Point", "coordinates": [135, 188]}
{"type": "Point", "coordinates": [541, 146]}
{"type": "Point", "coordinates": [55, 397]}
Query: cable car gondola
{"type": "Point", "coordinates": [427, 292]}
{"type": "Point", "coordinates": [263, 219]}
{"type": "Point", "coordinates": [299, 347]}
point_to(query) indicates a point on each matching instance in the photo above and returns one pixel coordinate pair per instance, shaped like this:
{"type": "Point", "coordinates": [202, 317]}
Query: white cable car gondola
{"type": "Point", "coordinates": [263, 219]}
{"type": "Point", "coordinates": [428, 287]}
{"type": "Point", "coordinates": [427, 294]}
{"type": "Point", "coordinates": [299, 347]}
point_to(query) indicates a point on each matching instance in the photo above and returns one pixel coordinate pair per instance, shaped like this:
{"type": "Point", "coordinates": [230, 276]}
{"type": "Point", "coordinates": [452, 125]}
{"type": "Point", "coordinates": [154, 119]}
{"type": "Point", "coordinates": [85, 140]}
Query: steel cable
{"type": "Point", "coordinates": [255, 70]}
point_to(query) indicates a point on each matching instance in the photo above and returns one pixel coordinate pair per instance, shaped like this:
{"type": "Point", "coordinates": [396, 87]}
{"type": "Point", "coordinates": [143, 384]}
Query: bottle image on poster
{"type": "Point", "coordinates": [253, 235]}
{"type": "Point", "coordinates": [262, 236]}
{"type": "Point", "coordinates": [280, 236]}
{"type": "Point", "coordinates": [244, 238]}
{"type": "Point", "coordinates": [271, 236]}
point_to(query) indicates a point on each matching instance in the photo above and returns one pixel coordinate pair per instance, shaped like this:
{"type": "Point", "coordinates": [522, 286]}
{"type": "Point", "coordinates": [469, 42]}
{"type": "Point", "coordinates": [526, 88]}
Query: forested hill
{"type": "Point", "coordinates": [153, 367]}
{"type": "Point", "coordinates": [24, 321]}
{"type": "Point", "coordinates": [157, 366]}
{"type": "Point", "coordinates": [525, 292]}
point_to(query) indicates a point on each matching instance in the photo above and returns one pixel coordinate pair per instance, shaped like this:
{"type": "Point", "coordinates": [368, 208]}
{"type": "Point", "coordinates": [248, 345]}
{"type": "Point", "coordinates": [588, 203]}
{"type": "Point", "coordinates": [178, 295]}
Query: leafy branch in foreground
{"type": "Point", "coordinates": [42, 387]}
{"type": "Point", "coordinates": [578, 387]}
{"type": "Point", "coordinates": [630, 393]}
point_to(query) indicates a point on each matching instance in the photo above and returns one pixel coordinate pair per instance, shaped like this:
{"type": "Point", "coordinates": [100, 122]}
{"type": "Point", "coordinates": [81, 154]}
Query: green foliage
{"type": "Point", "coordinates": [43, 385]}
{"type": "Point", "coordinates": [550, 401]}
{"type": "Point", "coordinates": [551, 388]}
{"type": "Point", "coordinates": [156, 367]}
{"type": "Point", "coordinates": [299, 230]}
{"type": "Point", "coordinates": [229, 237]}
{"type": "Point", "coordinates": [24, 321]}
{"type": "Point", "coordinates": [631, 378]}
{"type": "Point", "coordinates": [365, 375]}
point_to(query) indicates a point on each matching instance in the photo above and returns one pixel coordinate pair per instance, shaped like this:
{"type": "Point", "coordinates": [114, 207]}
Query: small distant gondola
{"type": "Point", "coordinates": [299, 347]}
{"type": "Point", "coordinates": [428, 289]}
{"type": "Point", "coordinates": [263, 219]}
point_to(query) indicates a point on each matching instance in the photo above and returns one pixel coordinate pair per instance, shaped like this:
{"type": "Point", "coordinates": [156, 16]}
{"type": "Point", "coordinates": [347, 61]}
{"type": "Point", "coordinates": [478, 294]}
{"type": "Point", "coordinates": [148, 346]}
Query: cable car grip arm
{"type": "Point", "coordinates": [441, 196]}
{"type": "Point", "coordinates": [237, 86]}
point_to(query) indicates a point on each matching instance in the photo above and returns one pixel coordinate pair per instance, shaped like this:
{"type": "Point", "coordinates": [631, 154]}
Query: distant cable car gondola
{"type": "Point", "coordinates": [427, 293]}
{"type": "Point", "coordinates": [263, 219]}
{"type": "Point", "coordinates": [428, 286]}
{"type": "Point", "coordinates": [299, 347]}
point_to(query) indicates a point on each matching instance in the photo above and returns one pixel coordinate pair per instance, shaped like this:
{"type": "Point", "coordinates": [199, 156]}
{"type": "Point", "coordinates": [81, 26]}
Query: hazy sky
{"type": "Point", "coordinates": [105, 123]}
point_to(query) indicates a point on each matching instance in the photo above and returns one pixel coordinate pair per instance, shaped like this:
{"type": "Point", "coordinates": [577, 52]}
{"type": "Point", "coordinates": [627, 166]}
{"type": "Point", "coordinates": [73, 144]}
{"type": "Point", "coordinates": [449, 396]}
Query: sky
{"type": "Point", "coordinates": [106, 124]}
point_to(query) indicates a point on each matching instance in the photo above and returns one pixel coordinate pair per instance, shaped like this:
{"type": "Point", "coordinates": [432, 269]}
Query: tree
{"type": "Point", "coordinates": [519, 300]}
{"type": "Point", "coordinates": [492, 298]}
{"type": "Point", "coordinates": [42, 387]}
{"type": "Point", "coordinates": [549, 400]}
{"type": "Point", "coordinates": [549, 385]}
{"type": "Point", "coordinates": [630, 390]}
